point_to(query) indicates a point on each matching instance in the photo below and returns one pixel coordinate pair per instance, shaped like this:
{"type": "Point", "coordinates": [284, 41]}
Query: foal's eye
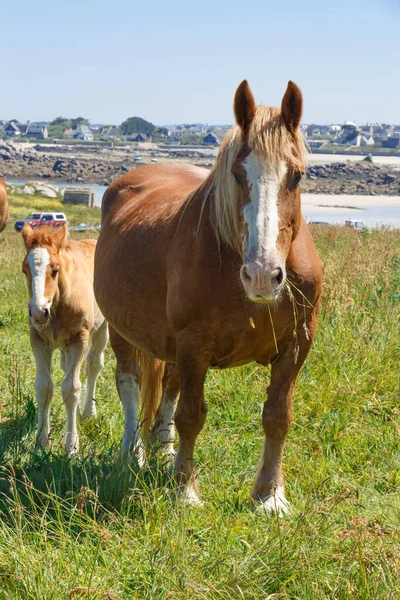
{"type": "Point", "coordinates": [238, 179]}
{"type": "Point", "coordinates": [55, 270]}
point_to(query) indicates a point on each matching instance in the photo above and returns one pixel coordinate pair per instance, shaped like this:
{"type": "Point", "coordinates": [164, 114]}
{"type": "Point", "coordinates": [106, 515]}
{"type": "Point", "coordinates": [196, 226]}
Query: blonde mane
{"type": "Point", "coordinates": [269, 137]}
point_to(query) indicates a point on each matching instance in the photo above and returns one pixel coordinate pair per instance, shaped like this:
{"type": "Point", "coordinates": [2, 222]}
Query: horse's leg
{"type": "Point", "coordinates": [277, 418]}
{"type": "Point", "coordinates": [94, 364]}
{"type": "Point", "coordinates": [127, 377]}
{"type": "Point", "coordinates": [163, 430]}
{"type": "Point", "coordinates": [190, 417]}
{"type": "Point", "coordinates": [71, 389]}
{"type": "Point", "coordinates": [43, 387]}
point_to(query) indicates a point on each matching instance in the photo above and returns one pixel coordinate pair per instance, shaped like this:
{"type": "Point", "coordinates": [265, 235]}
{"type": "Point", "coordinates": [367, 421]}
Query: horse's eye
{"type": "Point", "coordinates": [297, 175]}
{"type": "Point", "coordinates": [238, 179]}
{"type": "Point", "coordinates": [55, 270]}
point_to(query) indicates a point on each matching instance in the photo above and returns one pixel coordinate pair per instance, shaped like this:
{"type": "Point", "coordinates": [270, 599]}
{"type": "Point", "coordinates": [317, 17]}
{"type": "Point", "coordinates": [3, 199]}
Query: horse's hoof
{"type": "Point", "coordinates": [127, 451]}
{"type": "Point", "coordinates": [188, 496]}
{"type": "Point", "coordinates": [275, 504]}
{"type": "Point", "coordinates": [87, 415]}
{"type": "Point", "coordinates": [71, 444]}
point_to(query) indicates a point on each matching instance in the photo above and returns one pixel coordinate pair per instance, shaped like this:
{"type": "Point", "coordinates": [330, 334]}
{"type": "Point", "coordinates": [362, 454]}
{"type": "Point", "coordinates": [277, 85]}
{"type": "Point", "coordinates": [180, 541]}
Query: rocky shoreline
{"type": "Point", "coordinates": [18, 162]}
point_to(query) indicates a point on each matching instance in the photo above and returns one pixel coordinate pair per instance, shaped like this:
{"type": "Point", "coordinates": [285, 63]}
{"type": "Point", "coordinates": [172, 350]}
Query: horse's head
{"type": "Point", "coordinates": [41, 266]}
{"type": "Point", "coordinates": [262, 160]}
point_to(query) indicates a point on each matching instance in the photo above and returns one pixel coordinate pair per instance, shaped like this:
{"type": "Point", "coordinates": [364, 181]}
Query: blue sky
{"type": "Point", "coordinates": [176, 61]}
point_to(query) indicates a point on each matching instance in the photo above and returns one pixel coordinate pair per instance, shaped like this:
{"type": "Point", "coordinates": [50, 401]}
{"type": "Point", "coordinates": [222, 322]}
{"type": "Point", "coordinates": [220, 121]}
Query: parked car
{"type": "Point", "coordinates": [325, 223]}
{"type": "Point", "coordinates": [41, 219]}
{"type": "Point", "coordinates": [354, 223]}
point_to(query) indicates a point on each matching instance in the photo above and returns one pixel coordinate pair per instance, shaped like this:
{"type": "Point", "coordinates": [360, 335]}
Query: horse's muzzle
{"type": "Point", "coordinates": [260, 284]}
{"type": "Point", "coordinates": [40, 316]}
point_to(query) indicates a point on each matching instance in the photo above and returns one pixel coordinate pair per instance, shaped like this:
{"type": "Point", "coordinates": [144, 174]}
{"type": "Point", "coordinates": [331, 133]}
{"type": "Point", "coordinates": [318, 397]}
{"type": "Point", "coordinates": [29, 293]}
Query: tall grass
{"type": "Point", "coordinates": [86, 528]}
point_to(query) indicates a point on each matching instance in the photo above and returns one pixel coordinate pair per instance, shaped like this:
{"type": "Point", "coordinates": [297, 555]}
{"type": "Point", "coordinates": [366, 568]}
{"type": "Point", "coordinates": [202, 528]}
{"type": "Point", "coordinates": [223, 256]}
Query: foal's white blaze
{"type": "Point", "coordinates": [261, 213]}
{"type": "Point", "coordinates": [38, 260]}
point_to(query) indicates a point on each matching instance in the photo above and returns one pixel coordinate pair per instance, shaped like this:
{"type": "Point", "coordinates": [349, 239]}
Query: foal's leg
{"type": "Point", "coordinates": [43, 387]}
{"type": "Point", "coordinates": [94, 364]}
{"type": "Point", "coordinates": [277, 418]}
{"type": "Point", "coordinates": [127, 377]}
{"type": "Point", "coordinates": [190, 417]}
{"type": "Point", "coordinates": [71, 389]}
{"type": "Point", "coordinates": [163, 430]}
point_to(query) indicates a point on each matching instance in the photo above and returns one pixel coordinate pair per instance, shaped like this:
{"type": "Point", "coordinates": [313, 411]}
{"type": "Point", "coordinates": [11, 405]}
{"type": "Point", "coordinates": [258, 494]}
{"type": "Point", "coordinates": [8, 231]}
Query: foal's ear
{"type": "Point", "coordinates": [292, 107]}
{"type": "Point", "coordinates": [60, 235]}
{"type": "Point", "coordinates": [27, 233]}
{"type": "Point", "coordinates": [244, 106]}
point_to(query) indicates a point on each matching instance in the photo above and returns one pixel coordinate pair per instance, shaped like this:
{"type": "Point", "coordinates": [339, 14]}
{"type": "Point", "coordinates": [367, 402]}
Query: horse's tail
{"type": "Point", "coordinates": [150, 388]}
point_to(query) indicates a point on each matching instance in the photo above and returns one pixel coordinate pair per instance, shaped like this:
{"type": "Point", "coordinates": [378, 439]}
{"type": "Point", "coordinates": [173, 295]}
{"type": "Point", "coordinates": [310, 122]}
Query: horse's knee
{"type": "Point", "coordinates": [94, 364]}
{"type": "Point", "coordinates": [44, 390]}
{"type": "Point", "coordinates": [276, 419]}
{"type": "Point", "coordinates": [71, 389]}
{"type": "Point", "coordinates": [190, 418]}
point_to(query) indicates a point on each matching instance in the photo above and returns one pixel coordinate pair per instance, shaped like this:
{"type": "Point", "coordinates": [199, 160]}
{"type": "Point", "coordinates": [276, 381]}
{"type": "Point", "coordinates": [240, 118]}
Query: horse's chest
{"type": "Point", "coordinates": [59, 334]}
{"type": "Point", "coordinates": [244, 346]}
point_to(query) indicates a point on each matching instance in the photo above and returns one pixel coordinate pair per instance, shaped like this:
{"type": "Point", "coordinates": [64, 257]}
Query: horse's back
{"type": "Point", "coordinates": [163, 187]}
{"type": "Point", "coordinates": [4, 211]}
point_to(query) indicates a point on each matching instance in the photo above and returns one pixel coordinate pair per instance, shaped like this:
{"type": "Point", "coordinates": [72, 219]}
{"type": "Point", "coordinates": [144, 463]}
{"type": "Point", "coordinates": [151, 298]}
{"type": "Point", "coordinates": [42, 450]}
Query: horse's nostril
{"type": "Point", "coordinates": [278, 275]}
{"type": "Point", "coordinates": [30, 312]}
{"type": "Point", "coordinates": [46, 313]}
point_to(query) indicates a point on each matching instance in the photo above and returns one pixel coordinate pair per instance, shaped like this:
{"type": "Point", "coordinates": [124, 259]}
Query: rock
{"type": "Point", "coordinates": [29, 189]}
{"type": "Point", "coordinates": [389, 178]}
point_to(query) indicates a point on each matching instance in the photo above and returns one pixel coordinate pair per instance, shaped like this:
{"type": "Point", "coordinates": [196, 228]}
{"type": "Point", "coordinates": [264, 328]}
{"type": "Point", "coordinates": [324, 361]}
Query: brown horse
{"type": "Point", "coordinates": [4, 211]}
{"type": "Point", "coordinates": [213, 269]}
{"type": "Point", "coordinates": [63, 314]}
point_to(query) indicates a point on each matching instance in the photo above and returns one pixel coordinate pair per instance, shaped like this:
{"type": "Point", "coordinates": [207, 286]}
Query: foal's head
{"type": "Point", "coordinates": [41, 266]}
{"type": "Point", "coordinates": [256, 186]}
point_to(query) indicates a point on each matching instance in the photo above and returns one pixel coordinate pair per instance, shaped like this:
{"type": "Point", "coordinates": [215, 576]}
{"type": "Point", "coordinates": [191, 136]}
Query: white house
{"type": "Point", "coordinates": [82, 132]}
{"type": "Point", "coordinates": [11, 130]}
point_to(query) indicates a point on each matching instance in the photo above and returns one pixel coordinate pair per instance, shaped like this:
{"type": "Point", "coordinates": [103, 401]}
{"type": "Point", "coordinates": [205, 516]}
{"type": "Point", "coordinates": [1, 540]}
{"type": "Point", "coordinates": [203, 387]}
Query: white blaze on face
{"type": "Point", "coordinates": [38, 260]}
{"type": "Point", "coordinates": [261, 213]}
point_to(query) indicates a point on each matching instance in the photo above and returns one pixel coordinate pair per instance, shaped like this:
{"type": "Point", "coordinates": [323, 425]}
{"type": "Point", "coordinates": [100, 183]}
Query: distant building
{"type": "Point", "coordinates": [137, 137]}
{"type": "Point", "coordinates": [212, 139]}
{"type": "Point", "coordinates": [362, 140]}
{"type": "Point", "coordinates": [12, 130]}
{"type": "Point", "coordinates": [317, 143]}
{"type": "Point", "coordinates": [36, 130]}
{"type": "Point", "coordinates": [82, 132]}
{"type": "Point", "coordinates": [110, 132]}
{"type": "Point", "coordinates": [392, 142]}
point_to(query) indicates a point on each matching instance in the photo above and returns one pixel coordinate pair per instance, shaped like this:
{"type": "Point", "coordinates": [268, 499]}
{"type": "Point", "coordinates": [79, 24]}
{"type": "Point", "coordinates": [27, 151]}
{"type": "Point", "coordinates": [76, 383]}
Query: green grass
{"type": "Point", "coordinates": [86, 528]}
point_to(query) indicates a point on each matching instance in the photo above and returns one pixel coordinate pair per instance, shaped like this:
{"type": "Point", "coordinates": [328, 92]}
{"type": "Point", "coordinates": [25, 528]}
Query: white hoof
{"type": "Point", "coordinates": [275, 504]}
{"type": "Point", "coordinates": [89, 412]}
{"type": "Point", "coordinates": [128, 449]}
{"type": "Point", "coordinates": [42, 441]}
{"type": "Point", "coordinates": [189, 497]}
{"type": "Point", "coordinates": [71, 444]}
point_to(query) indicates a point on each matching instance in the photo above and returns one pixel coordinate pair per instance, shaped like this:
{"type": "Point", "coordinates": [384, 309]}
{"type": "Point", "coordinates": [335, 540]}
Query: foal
{"type": "Point", "coordinates": [4, 211]}
{"type": "Point", "coordinates": [63, 314]}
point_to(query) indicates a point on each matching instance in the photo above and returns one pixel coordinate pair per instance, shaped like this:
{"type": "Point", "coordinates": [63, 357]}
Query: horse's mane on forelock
{"type": "Point", "coordinates": [45, 237]}
{"type": "Point", "coordinates": [269, 137]}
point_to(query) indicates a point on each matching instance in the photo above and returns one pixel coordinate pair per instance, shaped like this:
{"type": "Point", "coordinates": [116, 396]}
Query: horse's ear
{"type": "Point", "coordinates": [27, 233]}
{"type": "Point", "coordinates": [292, 107]}
{"type": "Point", "coordinates": [244, 106]}
{"type": "Point", "coordinates": [61, 235]}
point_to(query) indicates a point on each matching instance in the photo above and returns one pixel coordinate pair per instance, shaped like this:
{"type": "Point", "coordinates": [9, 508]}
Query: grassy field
{"type": "Point", "coordinates": [86, 528]}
